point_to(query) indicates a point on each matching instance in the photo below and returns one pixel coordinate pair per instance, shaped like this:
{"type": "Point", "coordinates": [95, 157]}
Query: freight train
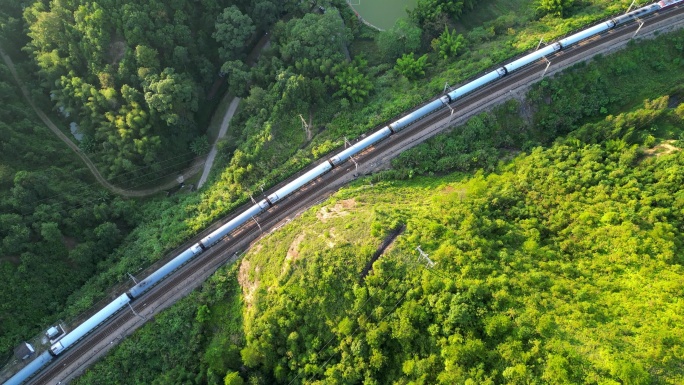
{"type": "Point", "coordinates": [264, 205]}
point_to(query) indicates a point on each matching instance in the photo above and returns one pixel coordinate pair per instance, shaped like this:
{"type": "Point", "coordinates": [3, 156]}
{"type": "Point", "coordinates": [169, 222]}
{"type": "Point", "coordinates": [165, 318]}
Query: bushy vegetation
{"type": "Point", "coordinates": [563, 266]}
{"type": "Point", "coordinates": [556, 269]}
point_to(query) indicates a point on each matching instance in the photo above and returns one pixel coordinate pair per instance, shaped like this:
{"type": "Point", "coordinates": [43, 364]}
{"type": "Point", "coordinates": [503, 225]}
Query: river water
{"type": "Point", "coordinates": [381, 13]}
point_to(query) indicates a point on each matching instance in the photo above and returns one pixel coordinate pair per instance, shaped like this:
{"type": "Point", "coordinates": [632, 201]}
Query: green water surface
{"type": "Point", "coordinates": [382, 13]}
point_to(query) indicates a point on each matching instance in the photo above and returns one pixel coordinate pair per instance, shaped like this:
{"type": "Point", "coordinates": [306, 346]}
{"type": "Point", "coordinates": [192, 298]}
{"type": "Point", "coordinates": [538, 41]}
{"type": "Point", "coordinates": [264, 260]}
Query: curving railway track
{"type": "Point", "coordinates": [74, 361]}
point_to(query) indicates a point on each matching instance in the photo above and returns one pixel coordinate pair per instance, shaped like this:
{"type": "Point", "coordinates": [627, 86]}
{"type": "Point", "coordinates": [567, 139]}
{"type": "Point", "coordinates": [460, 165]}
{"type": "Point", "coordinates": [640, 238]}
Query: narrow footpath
{"type": "Point", "coordinates": [222, 132]}
{"type": "Point", "coordinates": [262, 44]}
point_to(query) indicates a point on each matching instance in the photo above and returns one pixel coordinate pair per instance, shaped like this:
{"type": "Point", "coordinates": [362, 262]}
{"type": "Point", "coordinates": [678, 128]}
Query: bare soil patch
{"type": "Point", "coordinates": [293, 251]}
{"type": "Point", "coordinates": [664, 148]}
{"type": "Point", "coordinates": [339, 210]}
{"type": "Point", "coordinates": [248, 287]}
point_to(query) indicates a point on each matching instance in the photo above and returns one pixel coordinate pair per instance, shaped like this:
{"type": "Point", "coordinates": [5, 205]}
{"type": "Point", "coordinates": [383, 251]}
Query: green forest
{"type": "Point", "coordinates": [554, 220]}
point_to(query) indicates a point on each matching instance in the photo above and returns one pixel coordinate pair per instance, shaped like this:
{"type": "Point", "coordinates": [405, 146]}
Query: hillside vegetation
{"type": "Point", "coordinates": [564, 266]}
{"type": "Point", "coordinates": [299, 74]}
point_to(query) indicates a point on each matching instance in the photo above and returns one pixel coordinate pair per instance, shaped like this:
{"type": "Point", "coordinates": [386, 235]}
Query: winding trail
{"type": "Point", "coordinates": [190, 171]}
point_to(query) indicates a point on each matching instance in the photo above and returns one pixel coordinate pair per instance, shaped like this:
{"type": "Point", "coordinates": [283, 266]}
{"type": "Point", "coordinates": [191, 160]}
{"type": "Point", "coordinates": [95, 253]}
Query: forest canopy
{"type": "Point", "coordinates": [134, 74]}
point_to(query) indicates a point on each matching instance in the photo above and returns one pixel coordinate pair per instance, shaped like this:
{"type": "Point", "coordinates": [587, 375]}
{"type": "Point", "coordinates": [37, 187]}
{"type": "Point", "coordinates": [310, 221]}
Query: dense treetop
{"type": "Point", "coordinates": [133, 74]}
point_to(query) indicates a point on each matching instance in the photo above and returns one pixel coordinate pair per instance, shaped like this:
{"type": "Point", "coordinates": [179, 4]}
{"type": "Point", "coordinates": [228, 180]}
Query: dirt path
{"type": "Point", "coordinates": [224, 128]}
{"type": "Point", "coordinates": [263, 43]}
{"type": "Point", "coordinates": [190, 171]}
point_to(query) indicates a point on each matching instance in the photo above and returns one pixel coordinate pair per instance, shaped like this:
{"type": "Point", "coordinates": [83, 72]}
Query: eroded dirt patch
{"type": "Point", "coordinates": [664, 148]}
{"type": "Point", "coordinates": [339, 210]}
{"type": "Point", "coordinates": [248, 287]}
{"type": "Point", "coordinates": [293, 251]}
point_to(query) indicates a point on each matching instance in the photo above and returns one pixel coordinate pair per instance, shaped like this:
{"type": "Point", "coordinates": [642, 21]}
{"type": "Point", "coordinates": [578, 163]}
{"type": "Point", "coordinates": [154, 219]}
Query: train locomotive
{"type": "Point", "coordinates": [264, 205]}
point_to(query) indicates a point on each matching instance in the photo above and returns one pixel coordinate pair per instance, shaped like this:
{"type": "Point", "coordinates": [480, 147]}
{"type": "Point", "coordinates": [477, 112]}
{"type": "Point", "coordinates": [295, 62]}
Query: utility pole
{"type": "Point", "coordinates": [451, 116]}
{"type": "Point", "coordinates": [630, 6]}
{"type": "Point", "coordinates": [346, 142]}
{"type": "Point", "coordinates": [424, 256]}
{"type": "Point", "coordinates": [446, 87]}
{"type": "Point", "coordinates": [132, 277]}
{"type": "Point", "coordinates": [641, 24]}
{"type": "Point", "coordinates": [129, 305]}
{"type": "Point", "coordinates": [305, 126]}
{"type": "Point", "coordinates": [548, 64]}
{"type": "Point", "coordinates": [257, 223]}
{"type": "Point", "coordinates": [356, 171]}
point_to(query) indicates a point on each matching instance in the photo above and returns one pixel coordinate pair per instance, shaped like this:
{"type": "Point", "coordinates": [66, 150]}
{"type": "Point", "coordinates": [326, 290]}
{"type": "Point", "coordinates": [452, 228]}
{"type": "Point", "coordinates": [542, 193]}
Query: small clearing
{"type": "Point", "coordinates": [339, 210]}
{"type": "Point", "coordinates": [664, 148]}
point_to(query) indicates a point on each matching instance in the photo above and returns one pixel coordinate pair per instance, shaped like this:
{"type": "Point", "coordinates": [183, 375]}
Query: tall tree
{"type": "Point", "coordinates": [555, 7]}
{"type": "Point", "coordinates": [172, 95]}
{"type": "Point", "coordinates": [314, 42]}
{"type": "Point", "coordinates": [233, 28]}
{"type": "Point", "coordinates": [403, 37]}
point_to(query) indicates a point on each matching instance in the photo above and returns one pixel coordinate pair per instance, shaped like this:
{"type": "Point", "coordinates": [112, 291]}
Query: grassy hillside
{"type": "Point", "coordinates": [563, 267]}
